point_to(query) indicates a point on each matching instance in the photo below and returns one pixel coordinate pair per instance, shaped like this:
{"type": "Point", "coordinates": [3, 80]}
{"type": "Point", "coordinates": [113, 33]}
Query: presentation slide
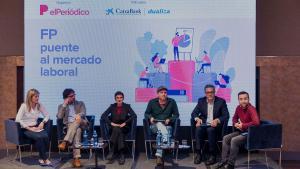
{"type": "Point", "coordinates": [135, 46]}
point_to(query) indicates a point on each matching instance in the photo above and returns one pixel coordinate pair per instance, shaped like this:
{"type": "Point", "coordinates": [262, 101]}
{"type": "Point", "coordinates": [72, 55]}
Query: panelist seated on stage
{"type": "Point", "coordinates": [161, 112]}
{"type": "Point", "coordinates": [119, 117]}
{"type": "Point", "coordinates": [27, 116]}
{"type": "Point", "coordinates": [73, 113]}
{"type": "Point", "coordinates": [245, 116]}
{"type": "Point", "coordinates": [211, 111]}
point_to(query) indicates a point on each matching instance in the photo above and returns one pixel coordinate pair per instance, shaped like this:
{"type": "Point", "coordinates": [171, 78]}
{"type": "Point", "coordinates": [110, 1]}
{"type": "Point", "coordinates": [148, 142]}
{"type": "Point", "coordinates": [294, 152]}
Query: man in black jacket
{"type": "Point", "coordinates": [209, 114]}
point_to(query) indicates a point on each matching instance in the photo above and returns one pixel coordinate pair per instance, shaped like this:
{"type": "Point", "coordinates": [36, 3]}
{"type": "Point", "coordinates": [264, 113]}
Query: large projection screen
{"type": "Point", "coordinates": [100, 47]}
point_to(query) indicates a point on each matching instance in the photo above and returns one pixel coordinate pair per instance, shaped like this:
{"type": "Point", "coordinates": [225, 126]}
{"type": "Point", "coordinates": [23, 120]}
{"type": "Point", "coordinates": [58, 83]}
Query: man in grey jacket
{"type": "Point", "coordinates": [73, 113]}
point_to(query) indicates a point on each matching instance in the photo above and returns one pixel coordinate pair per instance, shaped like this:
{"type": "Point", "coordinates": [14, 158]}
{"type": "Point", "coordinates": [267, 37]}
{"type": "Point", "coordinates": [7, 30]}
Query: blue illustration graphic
{"type": "Point", "coordinates": [184, 78]}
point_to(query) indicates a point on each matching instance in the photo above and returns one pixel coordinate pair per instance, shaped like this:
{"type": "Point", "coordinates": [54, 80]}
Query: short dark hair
{"type": "Point", "coordinates": [209, 86]}
{"type": "Point", "coordinates": [119, 93]}
{"type": "Point", "coordinates": [243, 92]}
{"type": "Point", "coordinates": [67, 92]}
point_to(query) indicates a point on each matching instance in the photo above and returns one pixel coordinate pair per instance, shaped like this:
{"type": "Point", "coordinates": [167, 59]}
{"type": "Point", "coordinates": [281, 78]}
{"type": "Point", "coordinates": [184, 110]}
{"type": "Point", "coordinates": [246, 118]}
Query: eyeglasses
{"type": "Point", "coordinates": [211, 92]}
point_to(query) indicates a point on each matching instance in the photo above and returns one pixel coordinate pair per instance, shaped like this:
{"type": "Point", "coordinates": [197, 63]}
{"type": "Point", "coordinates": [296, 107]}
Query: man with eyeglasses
{"type": "Point", "coordinates": [73, 113]}
{"type": "Point", "coordinates": [209, 114]}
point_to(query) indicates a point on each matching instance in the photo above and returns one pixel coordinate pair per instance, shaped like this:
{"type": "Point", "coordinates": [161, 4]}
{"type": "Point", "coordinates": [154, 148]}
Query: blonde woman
{"type": "Point", "coordinates": [27, 116]}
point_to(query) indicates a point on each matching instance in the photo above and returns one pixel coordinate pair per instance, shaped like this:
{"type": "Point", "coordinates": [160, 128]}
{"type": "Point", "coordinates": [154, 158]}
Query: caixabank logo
{"type": "Point", "coordinates": [45, 10]}
{"type": "Point", "coordinates": [122, 11]}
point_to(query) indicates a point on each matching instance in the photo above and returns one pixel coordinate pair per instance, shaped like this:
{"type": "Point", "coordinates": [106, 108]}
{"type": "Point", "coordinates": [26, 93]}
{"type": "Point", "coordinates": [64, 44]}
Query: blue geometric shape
{"type": "Point", "coordinates": [199, 82]}
{"type": "Point", "coordinates": [185, 42]}
{"type": "Point", "coordinates": [159, 79]}
{"type": "Point", "coordinates": [220, 45]}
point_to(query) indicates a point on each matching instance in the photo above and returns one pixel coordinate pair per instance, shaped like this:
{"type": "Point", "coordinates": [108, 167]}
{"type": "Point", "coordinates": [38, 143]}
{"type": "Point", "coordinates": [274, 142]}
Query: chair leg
{"type": "Point", "coordinates": [31, 149]}
{"type": "Point", "coordinates": [248, 159]}
{"type": "Point", "coordinates": [177, 153]}
{"type": "Point", "coordinates": [58, 149]}
{"type": "Point", "coordinates": [133, 150]}
{"type": "Point", "coordinates": [266, 159]}
{"type": "Point", "coordinates": [280, 158]}
{"type": "Point", "coordinates": [20, 155]}
{"type": "Point", "coordinates": [146, 150]}
{"type": "Point", "coordinates": [49, 154]}
{"type": "Point", "coordinates": [193, 150]}
{"type": "Point", "coordinates": [91, 154]}
{"type": "Point", "coordinates": [6, 148]}
{"type": "Point", "coordinates": [151, 149]}
{"type": "Point", "coordinates": [103, 157]}
{"type": "Point", "coordinates": [108, 145]}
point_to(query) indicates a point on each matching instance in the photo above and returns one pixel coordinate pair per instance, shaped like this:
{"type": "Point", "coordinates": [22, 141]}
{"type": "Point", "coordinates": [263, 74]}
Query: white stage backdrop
{"type": "Point", "coordinates": [100, 47]}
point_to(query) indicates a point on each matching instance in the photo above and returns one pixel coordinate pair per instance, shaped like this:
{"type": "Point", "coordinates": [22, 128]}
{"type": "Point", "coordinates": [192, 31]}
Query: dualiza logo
{"type": "Point", "coordinates": [58, 11]}
{"type": "Point", "coordinates": [158, 11]}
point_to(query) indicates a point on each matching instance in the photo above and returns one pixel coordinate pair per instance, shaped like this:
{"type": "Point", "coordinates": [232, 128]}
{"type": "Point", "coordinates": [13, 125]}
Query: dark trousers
{"type": "Point", "coordinates": [176, 53]}
{"type": "Point", "coordinates": [117, 138]}
{"type": "Point", "coordinates": [230, 146]}
{"type": "Point", "coordinates": [41, 141]}
{"type": "Point", "coordinates": [203, 132]}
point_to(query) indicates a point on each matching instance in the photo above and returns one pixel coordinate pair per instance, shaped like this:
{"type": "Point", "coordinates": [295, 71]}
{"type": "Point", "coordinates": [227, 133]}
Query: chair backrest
{"type": "Point", "coordinates": [104, 128]}
{"type": "Point", "coordinates": [150, 136]}
{"type": "Point", "coordinates": [91, 119]}
{"type": "Point", "coordinates": [132, 134]}
{"type": "Point", "coordinates": [12, 130]}
{"type": "Point", "coordinates": [15, 134]}
{"type": "Point", "coordinates": [60, 129]}
{"type": "Point", "coordinates": [265, 136]}
{"type": "Point", "coordinates": [223, 131]}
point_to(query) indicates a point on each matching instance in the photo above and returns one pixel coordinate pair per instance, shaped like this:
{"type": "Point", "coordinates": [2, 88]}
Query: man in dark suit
{"type": "Point", "coordinates": [209, 114]}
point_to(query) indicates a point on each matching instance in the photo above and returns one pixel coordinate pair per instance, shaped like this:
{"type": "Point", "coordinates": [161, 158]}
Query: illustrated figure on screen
{"type": "Point", "coordinates": [27, 117]}
{"type": "Point", "coordinates": [203, 62]}
{"type": "Point", "coordinates": [73, 113]}
{"type": "Point", "coordinates": [144, 77]}
{"type": "Point", "coordinates": [175, 43]}
{"type": "Point", "coordinates": [161, 112]}
{"type": "Point", "coordinates": [209, 115]}
{"type": "Point", "coordinates": [118, 117]}
{"type": "Point", "coordinates": [245, 116]}
{"type": "Point", "coordinates": [223, 80]}
{"type": "Point", "coordinates": [157, 61]}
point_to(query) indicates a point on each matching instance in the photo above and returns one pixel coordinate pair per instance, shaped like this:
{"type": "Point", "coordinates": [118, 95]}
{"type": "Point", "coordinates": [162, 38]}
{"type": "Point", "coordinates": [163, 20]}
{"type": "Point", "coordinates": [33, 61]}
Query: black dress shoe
{"type": "Point", "coordinates": [111, 158]}
{"type": "Point", "coordinates": [211, 160]}
{"type": "Point", "coordinates": [198, 159]}
{"type": "Point", "coordinates": [221, 165]}
{"type": "Point", "coordinates": [229, 166]}
{"type": "Point", "coordinates": [122, 159]}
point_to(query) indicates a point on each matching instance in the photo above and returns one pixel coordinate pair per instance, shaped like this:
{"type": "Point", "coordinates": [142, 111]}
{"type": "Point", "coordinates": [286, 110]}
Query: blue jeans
{"type": "Point", "coordinates": [41, 141]}
{"type": "Point", "coordinates": [164, 131]}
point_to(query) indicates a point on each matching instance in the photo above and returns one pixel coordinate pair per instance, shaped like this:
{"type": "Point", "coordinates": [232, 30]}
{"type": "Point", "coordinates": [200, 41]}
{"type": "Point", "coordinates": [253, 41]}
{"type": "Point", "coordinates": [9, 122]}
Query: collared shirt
{"type": "Point", "coordinates": [210, 111]}
{"type": "Point", "coordinates": [29, 118]}
{"type": "Point", "coordinates": [72, 113]}
{"type": "Point", "coordinates": [154, 109]}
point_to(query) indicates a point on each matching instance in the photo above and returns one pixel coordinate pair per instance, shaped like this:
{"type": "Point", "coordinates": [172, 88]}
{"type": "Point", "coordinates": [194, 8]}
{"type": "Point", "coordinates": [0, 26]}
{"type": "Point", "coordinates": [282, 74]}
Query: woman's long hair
{"type": "Point", "coordinates": [30, 94]}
